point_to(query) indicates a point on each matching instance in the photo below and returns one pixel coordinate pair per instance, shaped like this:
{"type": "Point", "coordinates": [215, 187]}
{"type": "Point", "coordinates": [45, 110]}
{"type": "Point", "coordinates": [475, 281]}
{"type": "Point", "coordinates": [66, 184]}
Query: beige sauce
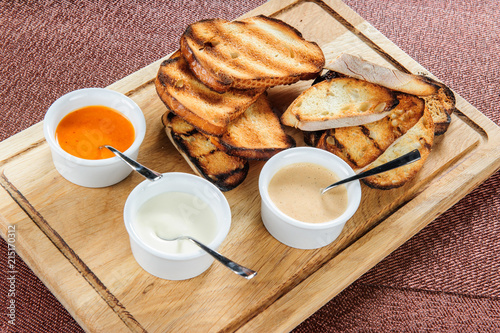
{"type": "Point", "coordinates": [295, 190]}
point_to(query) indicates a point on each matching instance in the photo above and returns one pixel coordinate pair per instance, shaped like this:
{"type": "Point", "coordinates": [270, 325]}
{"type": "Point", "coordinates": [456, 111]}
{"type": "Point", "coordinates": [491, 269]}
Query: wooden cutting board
{"type": "Point", "coordinates": [74, 238]}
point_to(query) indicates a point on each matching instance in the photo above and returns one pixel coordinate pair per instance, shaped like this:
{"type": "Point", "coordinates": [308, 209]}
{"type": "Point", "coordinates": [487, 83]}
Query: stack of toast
{"type": "Point", "coordinates": [218, 115]}
{"type": "Point", "coordinates": [368, 114]}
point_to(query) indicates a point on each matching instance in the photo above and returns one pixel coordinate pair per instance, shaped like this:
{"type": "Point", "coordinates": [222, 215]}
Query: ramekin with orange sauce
{"type": "Point", "coordinates": [78, 123]}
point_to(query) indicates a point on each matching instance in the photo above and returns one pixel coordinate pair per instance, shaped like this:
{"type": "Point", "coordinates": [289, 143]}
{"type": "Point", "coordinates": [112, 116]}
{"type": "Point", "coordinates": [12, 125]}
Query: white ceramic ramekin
{"type": "Point", "coordinates": [176, 266]}
{"type": "Point", "coordinates": [92, 173]}
{"type": "Point", "coordinates": [293, 232]}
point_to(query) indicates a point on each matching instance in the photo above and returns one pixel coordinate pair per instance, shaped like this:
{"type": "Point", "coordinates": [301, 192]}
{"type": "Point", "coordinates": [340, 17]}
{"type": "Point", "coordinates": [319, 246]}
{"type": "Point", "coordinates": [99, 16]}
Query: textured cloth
{"type": "Point", "coordinates": [445, 279]}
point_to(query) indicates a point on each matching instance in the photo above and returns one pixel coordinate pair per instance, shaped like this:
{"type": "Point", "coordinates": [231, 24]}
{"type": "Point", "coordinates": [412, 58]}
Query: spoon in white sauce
{"type": "Point", "coordinates": [154, 176]}
{"type": "Point", "coordinates": [405, 159]}
{"type": "Point", "coordinates": [236, 268]}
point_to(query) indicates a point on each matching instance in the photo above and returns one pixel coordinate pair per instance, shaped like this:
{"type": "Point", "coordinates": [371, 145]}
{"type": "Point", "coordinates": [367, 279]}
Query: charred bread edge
{"type": "Point", "coordinates": [442, 127]}
{"type": "Point", "coordinates": [423, 152]}
{"type": "Point", "coordinates": [252, 154]}
{"type": "Point", "coordinates": [192, 118]}
{"type": "Point", "coordinates": [311, 138]}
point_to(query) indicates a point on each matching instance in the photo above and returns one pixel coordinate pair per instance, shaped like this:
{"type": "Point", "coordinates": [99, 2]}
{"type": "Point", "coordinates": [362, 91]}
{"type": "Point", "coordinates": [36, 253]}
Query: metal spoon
{"type": "Point", "coordinates": [154, 176]}
{"type": "Point", "coordinates": [236, 268]}
{"type": "Point", "coordinates": [146, 172]}
{"type": "Point", "coordinates": [408, 158]}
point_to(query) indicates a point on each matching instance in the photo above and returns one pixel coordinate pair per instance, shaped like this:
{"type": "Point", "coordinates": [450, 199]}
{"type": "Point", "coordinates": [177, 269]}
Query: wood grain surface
{"type": "Point", "coordinates": [74, 238]}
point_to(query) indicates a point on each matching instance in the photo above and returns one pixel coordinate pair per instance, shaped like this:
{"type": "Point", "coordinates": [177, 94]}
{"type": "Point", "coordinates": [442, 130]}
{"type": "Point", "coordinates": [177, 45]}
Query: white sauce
{"type": "Point", "coordinates": [173, 214]}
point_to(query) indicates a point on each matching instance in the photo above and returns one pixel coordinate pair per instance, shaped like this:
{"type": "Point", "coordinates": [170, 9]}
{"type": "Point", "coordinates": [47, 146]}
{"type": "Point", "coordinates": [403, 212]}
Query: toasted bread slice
{"type": "Point", "coordinates": [224, 171]}
{"type": "Point", "coordinates": [339, 102]}
{"type": "Point", "coordinates": [250, 53]}
{"type": "Point", "coordinates": [186, 96]}
{"type": "Point", "coordinates": [361, 145]}
{"type": "Point", "coordinates": [439, 99]}
{"type": "Point", "coordinates": [358, 68]}
{"type": "Point", "coordinates": [421, 137]}
{"type": "Point", "coordinates": [311, 138]}
{"type": "Point", "coordinates": [441, 105]}
{"type": "Point", "coordinates": [257, 134]}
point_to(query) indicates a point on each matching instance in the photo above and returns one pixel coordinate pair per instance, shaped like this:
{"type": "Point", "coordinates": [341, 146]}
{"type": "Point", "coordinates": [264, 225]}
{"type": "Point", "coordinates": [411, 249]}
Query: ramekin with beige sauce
{"type": "Point", "coordinates": [292, 208]}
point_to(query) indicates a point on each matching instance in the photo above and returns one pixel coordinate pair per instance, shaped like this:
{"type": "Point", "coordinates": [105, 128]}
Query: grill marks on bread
{"type": "Point", "coordinates": [205, 109]}
{"type": "Point", "coordinates": [421, 137]}
{"type": "Point", "coordinates": [257, 134]}
{"type": "Point", "coordinates": [361, 145]}
{"type": "Point", "coordinates": [224, 44]}
{"type": "Point", "coordinates": [254, 132]}
{"type": "Point", "coordinates": [254, 52]}
{"type": "Point", "coordinates": [218, 116]}
{"type": "Point", "coordinates": [439, 99]}
{"type": "Point", "coordinates": [223, 170]}
{"type": "Point", "coordinates": [376, 144]}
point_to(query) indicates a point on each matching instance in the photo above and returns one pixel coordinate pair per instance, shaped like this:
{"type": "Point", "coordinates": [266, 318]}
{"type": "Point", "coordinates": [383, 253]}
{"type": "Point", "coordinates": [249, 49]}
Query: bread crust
{"type": "Point", "coordinates": [355, 66]}
{"type": "Point", "coordinates": [187, 115]}
{"type": "Point", "coordinates": [367, 146]}
{"type": "Point", "coordinates": [219, 83]}
{"type": "Point", "coordinates": [441, 106]}
{"type": "Point", "coordinates": [440, 99]}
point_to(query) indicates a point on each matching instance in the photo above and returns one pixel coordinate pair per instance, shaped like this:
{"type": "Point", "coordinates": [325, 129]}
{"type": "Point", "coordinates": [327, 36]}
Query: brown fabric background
{"type": "Point", "coordinates": [445, 279]}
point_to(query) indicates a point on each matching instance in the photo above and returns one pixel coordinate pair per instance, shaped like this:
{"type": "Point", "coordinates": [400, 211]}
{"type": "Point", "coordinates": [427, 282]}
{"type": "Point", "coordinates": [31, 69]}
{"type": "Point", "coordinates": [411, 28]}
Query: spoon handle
{"type": "Point", "coordinates": [405, 159]}
{"type": "Point", "coordinates": [146, 172]}
{"type": "Point", "coordinates": [238, 269]}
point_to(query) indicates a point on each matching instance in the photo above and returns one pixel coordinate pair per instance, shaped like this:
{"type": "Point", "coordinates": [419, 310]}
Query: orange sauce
{"type": "Point", "coordinates": [83, 131]}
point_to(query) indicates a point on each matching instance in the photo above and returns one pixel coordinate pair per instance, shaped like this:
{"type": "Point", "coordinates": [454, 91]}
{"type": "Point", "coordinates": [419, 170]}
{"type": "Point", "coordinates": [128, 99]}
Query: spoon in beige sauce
{"type": "Point", "coordinates": [405, 159]}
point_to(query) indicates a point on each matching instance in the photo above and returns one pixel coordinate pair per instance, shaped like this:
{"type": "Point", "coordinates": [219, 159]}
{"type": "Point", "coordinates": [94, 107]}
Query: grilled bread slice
{"type": "Point", "coordinates": [358, 68]}
{"type": "Point", "coordinates": [438, 98]}
{"type": "Point", "coordinates": [421, 137]}
{"type": "Point", "coordinates": [250, 53]}
{"type": "Point", "coordinates": [361, 145]}
{"type": "Point", "coordinates": [257, 134]}
{"type": "Point", "coordinates": [186, 96]}
{"type": "Point", "coordinates": [339, 102]}
{"type": "Point", "coordinates": [441, 105]}
{"type": "Point", "coordinates": [224, 171]}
